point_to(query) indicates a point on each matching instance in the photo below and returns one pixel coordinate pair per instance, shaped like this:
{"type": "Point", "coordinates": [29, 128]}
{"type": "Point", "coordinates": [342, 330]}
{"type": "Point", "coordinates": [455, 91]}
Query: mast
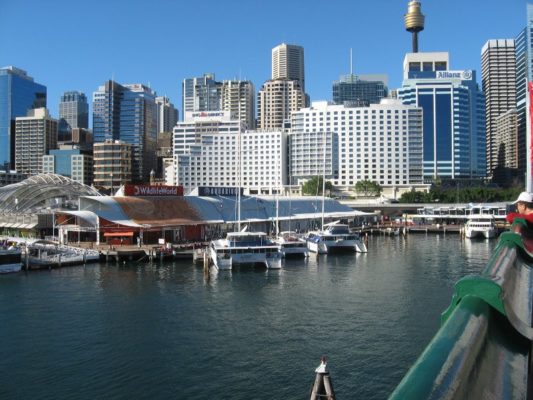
{"type": "Point", "coordinates": [323, 179]}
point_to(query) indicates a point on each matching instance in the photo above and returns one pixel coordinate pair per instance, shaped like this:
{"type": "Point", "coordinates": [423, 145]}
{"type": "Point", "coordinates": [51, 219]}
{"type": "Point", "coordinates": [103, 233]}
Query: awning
{"type": "Point", "coordinates": [118, 234]}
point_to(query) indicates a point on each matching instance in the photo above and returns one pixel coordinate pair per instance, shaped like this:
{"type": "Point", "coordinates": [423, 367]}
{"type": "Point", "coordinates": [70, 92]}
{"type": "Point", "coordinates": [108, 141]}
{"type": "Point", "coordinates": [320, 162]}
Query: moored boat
{"type": "Point", "coordinates": [334, 237]}
{"type": "Point", "coordinates": [291, 244]}
{"type": "Point", "coordinates": [10, 260]}
{"type": "Point", "coordinates": [244, 248]}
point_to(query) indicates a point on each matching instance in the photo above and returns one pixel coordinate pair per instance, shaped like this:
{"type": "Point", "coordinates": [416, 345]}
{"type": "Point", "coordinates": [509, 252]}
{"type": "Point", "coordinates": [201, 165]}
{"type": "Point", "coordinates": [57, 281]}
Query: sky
{"type": "Point", "coordinates": [75, 45]}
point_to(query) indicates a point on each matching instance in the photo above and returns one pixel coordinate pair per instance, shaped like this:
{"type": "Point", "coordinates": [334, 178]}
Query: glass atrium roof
{"type": "Point", "coordinates": [42, 192]}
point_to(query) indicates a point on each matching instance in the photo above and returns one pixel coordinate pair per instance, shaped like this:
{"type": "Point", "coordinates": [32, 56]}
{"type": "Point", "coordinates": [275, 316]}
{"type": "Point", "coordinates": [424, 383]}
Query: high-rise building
{"type": "Point", "coordinates": [73, 113]}
{"type": "Point", "coordinates": [112, 164]}
{"type": "Point", "coordinates": [167, 114]}
{"type": "Point", "coordinates": [213, 149]}
{"type": "Point", "coordinates": [381, 143]}
{"type": "Point", "coordinates": [276, 100]}
{"type": "Point", "coordinates": [128, 113]}
{"type": "Point", "coordinates": [524, 73]}
{"type": "Point", "coordinates": [70, 161]}
{"type": "Point", "coordinates": [360, 90]}
{"type": "Point", "coordinates": [506, 145]}
{"type": "Point", "coordinates": [35, 136]}
{"type": "Point", "coordinates": [288, 63]}
{"type": "Point", "coordinates": [18, 94]}
{"type": "Point", "coordinates": [498, 79]}
{"type": "Point", "coordinates": [238, 97]}
{"type": "Point", "coordinates": [201, 94]}
{"type": "Point", "coordinates": [454, 116]}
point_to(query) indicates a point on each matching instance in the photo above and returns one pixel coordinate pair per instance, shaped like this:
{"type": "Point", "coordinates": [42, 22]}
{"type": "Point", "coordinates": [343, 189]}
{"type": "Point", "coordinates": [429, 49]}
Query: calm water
{"type": "Point", "coordinates": [164, 332]}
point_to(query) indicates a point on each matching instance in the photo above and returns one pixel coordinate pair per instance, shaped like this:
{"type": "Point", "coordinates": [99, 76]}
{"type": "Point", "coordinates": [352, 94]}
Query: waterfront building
{"type": "Point", "coordinates": [167, 114]}
{"type": "Point", "coordinates": [71, 161]}
{"type": "Point", "coordinates": [524, 73]}
{"type": "Point", "coordinates": [238, 97]}
{"type": "Point", "coordinates": [276, 100]}
{"type": "Point", "coordinates": [453, 116]}
{"type": "Point", "coordinates": [18, 94]}
{"type": "Point", "coordinates": [35, 135]}
{"type": "Point", "coordinates": [73, 113]}
{"type": "Point", "coordinates": [498, 80]}
{"type": "Point", "coordinates": [381, 143]}
{"type": "Point", "coordinates": [201, 94]}
{"type": "Point", "coordinates": [288, 63]}
{"type": "Point", "coordinates": [212, 149]}
{"type": "Point", "coordinates": [113, 164]}
{"type": "Point", "coordinates": [128, 113]}
{"type": "Point", "coordinates": [360, 90]}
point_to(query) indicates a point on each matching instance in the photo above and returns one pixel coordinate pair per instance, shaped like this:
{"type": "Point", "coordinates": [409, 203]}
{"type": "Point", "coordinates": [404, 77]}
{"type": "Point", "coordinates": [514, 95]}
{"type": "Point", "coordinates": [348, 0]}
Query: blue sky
{"type": "Point", "coordinates": [75, 45]}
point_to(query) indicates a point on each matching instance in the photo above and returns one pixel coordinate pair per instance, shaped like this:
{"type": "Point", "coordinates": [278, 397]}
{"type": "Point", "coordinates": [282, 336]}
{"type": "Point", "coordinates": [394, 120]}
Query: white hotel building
{"type": "Point", "coordinates": [381, 143]}
{"type": "Point", "coordinates": [213, 149]}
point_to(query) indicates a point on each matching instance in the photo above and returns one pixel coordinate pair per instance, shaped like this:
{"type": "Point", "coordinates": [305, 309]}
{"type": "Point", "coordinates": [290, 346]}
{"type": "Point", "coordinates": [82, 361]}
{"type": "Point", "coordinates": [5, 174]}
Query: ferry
{"type": "Point", "coordinates": [291, 244]}
{"type": "Point", "coordinates": [480, 226]}
{"type": "Point", "coordinates": [241, 248]}
{"type": "Point", "coordinates": [335, 237]}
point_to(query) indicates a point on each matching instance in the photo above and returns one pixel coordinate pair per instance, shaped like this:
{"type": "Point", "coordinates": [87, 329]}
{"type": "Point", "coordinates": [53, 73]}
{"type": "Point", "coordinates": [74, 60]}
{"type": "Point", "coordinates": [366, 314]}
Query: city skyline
{"type": "Point", "coordinates": [162, 44]}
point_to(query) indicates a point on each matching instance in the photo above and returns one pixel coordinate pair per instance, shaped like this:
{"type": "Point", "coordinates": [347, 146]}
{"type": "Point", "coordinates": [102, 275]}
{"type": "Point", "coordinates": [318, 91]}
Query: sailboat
{"type": "Point", "coordinates": [243, 247]}
{"type": "Point", "coordinates": [333, 236]}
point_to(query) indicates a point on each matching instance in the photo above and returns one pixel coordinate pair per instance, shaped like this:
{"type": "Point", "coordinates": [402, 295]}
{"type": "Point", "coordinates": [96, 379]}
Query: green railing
{"type": "Point", "coordinates": [482, 350]}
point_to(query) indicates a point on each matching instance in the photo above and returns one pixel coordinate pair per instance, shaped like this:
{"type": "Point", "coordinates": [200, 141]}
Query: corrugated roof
{"type": "Point", "coordinates": [194, 210]}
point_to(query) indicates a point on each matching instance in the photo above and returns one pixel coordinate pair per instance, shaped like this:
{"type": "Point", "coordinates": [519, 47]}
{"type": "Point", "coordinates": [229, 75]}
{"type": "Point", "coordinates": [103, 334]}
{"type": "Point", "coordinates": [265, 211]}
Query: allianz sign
{"type": "Point", "coordinates": [465, 75]}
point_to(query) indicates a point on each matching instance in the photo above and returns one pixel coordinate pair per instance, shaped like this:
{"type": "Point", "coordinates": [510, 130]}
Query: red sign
{"type": "Point", "coordinates": [149, 190]}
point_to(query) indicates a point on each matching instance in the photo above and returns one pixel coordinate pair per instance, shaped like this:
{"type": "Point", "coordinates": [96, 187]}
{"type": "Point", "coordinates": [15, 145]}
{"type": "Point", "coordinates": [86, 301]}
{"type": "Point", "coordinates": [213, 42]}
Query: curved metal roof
{"type": "Point", "coordinates": [40, 191]}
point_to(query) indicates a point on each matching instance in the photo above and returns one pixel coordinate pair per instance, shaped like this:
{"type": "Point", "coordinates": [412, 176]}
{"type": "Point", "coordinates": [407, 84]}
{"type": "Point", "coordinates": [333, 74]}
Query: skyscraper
{"type": "Point", "coordinates": [201, 94]}
{"type": "Point", "coordinates": [167, 114]}
{"type": "Point", "coordinates": [18, 94]}
{"type": "Point", "coordinates": [524, 72]}
{"type": "Point", "coordinates": [36, 134]}
{"type": "Point", "coordinates": [360, 90]}
{"type": "Point", "coordinates": [498, 77]}
{"type": "Point", "coordinates": [73, 113]}
{"type": "Point", "coordinates": [128, 113]}
{"type": "Point", "coordinates": [276, 100]}
{"type": "Point", "coordinates": [238, 97]}
{"type": "Point", "coordinates": [453, 119]}
{"type": "Point", "coordinates": [288, 63]}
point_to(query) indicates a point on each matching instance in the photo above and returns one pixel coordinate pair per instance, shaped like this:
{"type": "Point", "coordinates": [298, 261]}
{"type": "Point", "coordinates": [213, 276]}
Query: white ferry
{"type": "Point", "coordinates": [335, 237]}
{"type": "Point", "coordinates": [480, 226]}
{"type": "Point", "coordinates": [240, 248]}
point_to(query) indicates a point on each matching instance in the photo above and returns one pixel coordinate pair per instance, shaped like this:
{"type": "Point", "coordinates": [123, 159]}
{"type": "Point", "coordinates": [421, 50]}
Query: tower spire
{"type": "Point", "coordinates": [414, 21]}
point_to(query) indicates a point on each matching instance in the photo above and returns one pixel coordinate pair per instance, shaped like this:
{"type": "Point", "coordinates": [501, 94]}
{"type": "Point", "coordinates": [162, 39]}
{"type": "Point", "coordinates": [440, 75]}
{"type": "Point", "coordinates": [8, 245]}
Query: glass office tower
{"type": "Point", "coordinates": [128, 113]}
{"type": "Point", "coordinates": [18, 94]}
{"type": "Point", "coordinates": [453, 116]}
{"type": "Point", "coordinates": [73, 113]}
{"type": "Point", "coordinates": [361, 90]}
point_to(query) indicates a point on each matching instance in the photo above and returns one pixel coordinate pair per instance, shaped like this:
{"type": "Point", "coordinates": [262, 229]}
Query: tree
{"type": "Point", "coordinates": [313, 186]}
{"type": "Point", "coordinates": [368, 188]}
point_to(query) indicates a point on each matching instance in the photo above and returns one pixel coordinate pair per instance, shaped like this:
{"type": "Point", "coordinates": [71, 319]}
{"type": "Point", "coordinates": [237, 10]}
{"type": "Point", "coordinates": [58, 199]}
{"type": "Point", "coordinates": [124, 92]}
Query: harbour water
{"type": "Point", "coordinates": [164, 331]}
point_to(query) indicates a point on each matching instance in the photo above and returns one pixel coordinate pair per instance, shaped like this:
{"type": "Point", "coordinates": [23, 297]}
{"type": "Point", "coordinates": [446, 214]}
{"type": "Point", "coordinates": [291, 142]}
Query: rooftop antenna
{"type": "Point", "coordinates": [351, 62]}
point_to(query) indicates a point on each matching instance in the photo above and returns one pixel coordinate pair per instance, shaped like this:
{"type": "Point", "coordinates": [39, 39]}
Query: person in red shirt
{"type": "Point", "coordinates": [524, 208]}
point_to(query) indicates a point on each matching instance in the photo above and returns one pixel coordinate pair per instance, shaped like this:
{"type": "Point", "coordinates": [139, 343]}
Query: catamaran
{"type": "Point", "coordinates": [244, 248]}
{"type": "Point", "coordinates": [335, 236]}
{"type": "Point", "coordinates": [480, 226]}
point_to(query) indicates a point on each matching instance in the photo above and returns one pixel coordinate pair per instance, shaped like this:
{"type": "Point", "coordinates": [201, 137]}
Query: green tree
{"type": "Point", "coordinates": [313, 186]}
{"type": "Point", "coordinates": [368, 188]}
